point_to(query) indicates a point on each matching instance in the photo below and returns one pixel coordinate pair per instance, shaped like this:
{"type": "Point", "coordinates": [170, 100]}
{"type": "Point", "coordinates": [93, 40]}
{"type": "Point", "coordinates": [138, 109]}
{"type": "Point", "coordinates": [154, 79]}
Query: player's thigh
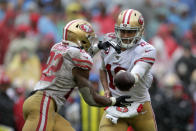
{"type": "Point", "coordinates": [61, 124]}
{"type": "Point", "coordinates": [39, 112]}
{"type": "Point", "coordinates": [107, 125]}
{"type": "Point", "coordinates": [145, 121]}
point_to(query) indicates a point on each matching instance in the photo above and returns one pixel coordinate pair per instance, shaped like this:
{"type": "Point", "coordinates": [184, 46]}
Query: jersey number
{"type": "Point", "coordinates": [54, 64]}
{"type": "Point", "coordinates": [116, 70]}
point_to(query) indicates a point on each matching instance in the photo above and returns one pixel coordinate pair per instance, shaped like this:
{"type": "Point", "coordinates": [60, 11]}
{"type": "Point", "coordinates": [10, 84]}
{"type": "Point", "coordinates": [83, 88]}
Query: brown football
{"type": "Point", "coordinates": [124, 80]}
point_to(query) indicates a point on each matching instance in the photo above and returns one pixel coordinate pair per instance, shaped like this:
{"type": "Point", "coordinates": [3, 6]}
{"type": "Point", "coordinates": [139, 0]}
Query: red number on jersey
{"type": "Point", "coordinates": [143, 43]}
{"type": "Point", "coordinates": [54, 64]}
{"type": "Point", "coordinates": [116, 70]}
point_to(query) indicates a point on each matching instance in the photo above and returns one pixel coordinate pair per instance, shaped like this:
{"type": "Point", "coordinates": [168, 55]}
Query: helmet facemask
{"type": "Point", "coordinates": [128, 42]}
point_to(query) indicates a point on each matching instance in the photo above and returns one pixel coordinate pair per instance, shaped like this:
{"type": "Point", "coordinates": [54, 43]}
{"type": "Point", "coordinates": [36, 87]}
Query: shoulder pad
{"type": "Point", "coordinates": [80, 58]}
{"type": "Point", "coordinates": [147, 52]}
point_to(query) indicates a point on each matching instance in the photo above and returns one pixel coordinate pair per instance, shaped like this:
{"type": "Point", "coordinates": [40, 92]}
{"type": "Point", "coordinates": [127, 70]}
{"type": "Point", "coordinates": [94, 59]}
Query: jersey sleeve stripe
{"type": "Point", "coordinates": [83, 66]}
{"type": "Point", "coordinates": [79, 60]}
{"type": "Point", "coordinates": [151, 63]}
{"type": "Point", "coordinates": [146, 59]}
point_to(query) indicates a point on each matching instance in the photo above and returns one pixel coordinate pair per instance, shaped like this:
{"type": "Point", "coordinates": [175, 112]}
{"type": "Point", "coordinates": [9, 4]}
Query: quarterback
{"type": "Point", "coordinates": [128, 73]}
{"type": "Point", "coordinates": [68, 67]}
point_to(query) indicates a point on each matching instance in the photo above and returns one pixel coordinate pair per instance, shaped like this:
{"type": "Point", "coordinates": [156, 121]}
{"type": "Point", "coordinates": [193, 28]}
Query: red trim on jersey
{"type": "Point", "coordinates": [129, 16]}
{"type": "Point", "coordinates": [44, 77]}
{"type": "Point", "coordinates": [79, 60]}
{"type": "Point", "coordinates": [146, 59]}
{"type": "Point", "coordinates": [124, 16]}
{"type": "Point", "coordinates": [83, 66]}
{"type": "Point", "coordinates": [143, 61]}
{"type": "Point", "coordinates": [41, 109]}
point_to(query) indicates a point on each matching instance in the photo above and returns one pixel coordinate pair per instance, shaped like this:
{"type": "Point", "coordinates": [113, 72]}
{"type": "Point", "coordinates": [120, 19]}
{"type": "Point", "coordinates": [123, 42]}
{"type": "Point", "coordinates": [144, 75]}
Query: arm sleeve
{"type": "Point", "coordinates": [144, 63]}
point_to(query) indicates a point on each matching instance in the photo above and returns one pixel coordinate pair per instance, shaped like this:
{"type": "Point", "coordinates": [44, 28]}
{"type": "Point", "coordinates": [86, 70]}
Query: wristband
{"type": "Point", "coordinates": [113, 99]}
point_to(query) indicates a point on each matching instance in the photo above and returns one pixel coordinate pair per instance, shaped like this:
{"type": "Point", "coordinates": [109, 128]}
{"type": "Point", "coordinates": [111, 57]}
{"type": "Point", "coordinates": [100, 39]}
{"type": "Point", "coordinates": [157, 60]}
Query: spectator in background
{"type": "Point", "coordinates": [20, 42]}
{"type": "Point", "coordinates": [29, 17]}
{"type": "Point", "coordinates": [46, 23]}
{"type": "Point", "coordinates": [160, 17]}
{"type": "Point", "coordinates": [165, 45]}
{"type": "Point", "coordinates": [24, 69]}
{"type": "Point", "coordinates": [103, 20]}
{"type": "Point", "coordinates": [72, 11]}
{"type": "Point", "coordinates": [184, 23]}
{"type": "Point", "coordinates": [3, 7]}
{"type": "Point", "coordinates": [6, 103]}
{"type": "Point", "coordinates": [185, 66]}
{"type": "Point", "coordinates": [7, 33]}
{"type": "Point", "coordinates": [158, 100]}
{"type": "Point", "coordinates": [190, 36]}
{"type": "Point", "coordinates": [179, 109]}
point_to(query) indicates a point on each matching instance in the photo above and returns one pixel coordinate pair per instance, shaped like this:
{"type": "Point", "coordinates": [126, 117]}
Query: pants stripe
{"type": "Point", "coordinates": [43, 113]}
{"type": "Point", "coordinates": [47, 108]}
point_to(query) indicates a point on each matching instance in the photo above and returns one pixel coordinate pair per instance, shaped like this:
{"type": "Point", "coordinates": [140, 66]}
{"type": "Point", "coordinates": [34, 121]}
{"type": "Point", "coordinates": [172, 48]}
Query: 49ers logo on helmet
{"type": "Point", "coordinates": [141, 20]}
{"type": "Point", "coordinates": [86, 28]}
{"type": "Point", "coordinates": [122, 109]}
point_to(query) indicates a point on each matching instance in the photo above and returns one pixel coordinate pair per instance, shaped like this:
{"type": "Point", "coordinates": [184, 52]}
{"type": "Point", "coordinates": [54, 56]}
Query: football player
{"type": "Point", "coordinates": [128, 73]}
{"type": "Point", "coordinates": [68, 66]}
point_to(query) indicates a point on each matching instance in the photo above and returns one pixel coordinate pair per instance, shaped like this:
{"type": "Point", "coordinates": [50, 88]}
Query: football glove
{"type": "Point", "coordinates": [121, 101]}
{"type": "Point", "coordinates": [105, 45]}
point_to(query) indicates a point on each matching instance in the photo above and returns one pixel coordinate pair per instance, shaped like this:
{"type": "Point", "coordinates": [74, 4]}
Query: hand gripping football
{"type": "Point", "coordinates": [124, 80]}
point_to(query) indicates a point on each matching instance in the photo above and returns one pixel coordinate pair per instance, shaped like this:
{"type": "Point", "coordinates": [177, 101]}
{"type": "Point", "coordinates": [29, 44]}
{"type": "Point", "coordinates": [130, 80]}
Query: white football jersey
{"type": "Point", "coordinates": [57, 80]}
{"type": "Point", "coordinates": [114, 62]}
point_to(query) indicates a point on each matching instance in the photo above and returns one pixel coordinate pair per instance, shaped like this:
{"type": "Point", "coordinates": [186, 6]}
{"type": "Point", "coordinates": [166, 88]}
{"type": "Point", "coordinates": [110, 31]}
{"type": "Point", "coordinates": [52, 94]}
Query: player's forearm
{"type": "Point", "coordinates": [139, 70]}
{"type": "Point", "coordinates": [88, 93]}
{"type": "Point", "coordinates": [103, 78]}
{"type": "Point", "coordinates": [94, 99]}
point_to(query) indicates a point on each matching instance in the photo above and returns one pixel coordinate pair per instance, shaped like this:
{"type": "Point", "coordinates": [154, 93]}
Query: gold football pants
{"type": "Point", "coordinates": [145, 121]}
{"type": "Point", "coordinates": [40, 115]}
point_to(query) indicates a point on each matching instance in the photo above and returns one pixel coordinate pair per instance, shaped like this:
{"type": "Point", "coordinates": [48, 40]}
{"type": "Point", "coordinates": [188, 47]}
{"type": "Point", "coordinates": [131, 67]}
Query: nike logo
{"type": "Point", "coordinates": [147, 51]}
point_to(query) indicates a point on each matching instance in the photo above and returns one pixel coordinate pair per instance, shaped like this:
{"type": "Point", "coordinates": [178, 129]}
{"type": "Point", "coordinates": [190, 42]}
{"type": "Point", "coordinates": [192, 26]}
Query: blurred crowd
{"type": "Point", "coordinates": [29, 28]}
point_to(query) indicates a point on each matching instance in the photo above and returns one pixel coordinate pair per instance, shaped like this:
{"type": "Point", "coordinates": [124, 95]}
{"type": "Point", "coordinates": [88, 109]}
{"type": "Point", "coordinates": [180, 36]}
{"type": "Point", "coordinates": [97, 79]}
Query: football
{"type": "Point", "coordinates": [124, 80]}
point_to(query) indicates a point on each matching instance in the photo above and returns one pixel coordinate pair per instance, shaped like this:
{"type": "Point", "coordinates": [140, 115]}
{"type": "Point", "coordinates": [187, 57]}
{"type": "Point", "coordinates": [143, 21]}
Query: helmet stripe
{"type": "Point", "coordinates": [124, 16]}
{"type": "Point", "coordinates": [66, 29]}
{"type": "Point", "coordinates": [128, 15]}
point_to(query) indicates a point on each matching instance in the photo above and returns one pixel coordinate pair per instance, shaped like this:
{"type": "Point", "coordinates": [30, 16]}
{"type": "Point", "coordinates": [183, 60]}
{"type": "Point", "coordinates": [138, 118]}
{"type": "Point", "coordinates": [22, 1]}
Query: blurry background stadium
{"type": "Point", "coordinates": [28, 29]}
